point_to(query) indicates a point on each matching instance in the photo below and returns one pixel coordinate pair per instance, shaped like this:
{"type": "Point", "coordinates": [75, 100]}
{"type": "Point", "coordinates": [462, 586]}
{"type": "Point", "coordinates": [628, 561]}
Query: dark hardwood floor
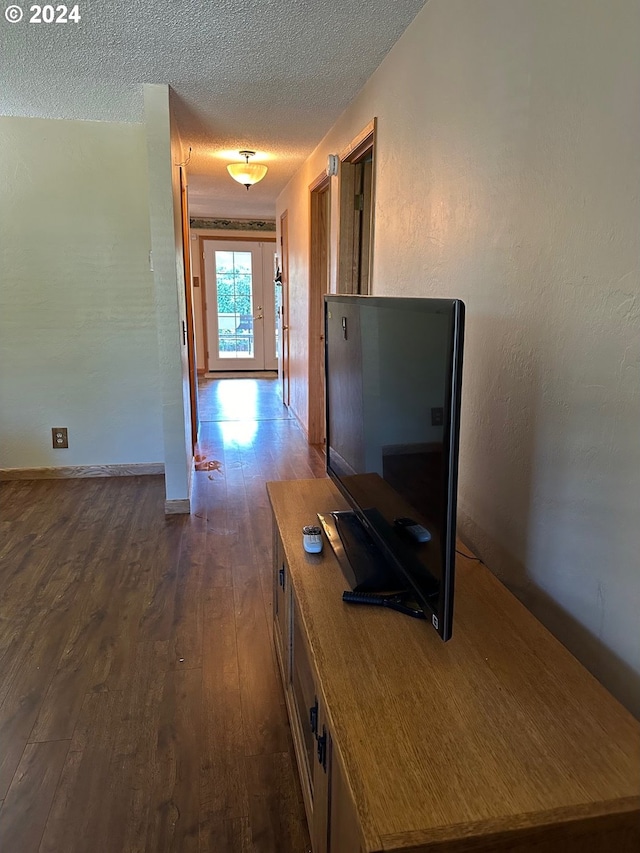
{"type": "Point", "coordinates": [140, 704]}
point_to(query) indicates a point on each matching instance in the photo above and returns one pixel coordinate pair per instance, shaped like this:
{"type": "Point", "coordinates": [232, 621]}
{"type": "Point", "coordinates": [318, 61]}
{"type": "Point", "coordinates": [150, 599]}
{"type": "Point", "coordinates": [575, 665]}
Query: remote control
{"type": "Point", "coordinates": [312, 539]}
{"type": "Point", "coordinates": [416, 531]}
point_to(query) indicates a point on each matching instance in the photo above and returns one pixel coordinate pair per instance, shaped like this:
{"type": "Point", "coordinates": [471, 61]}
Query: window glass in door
{"type": "Point", "coordinates": [234, 305]}
{"type": "Point", "coordinates": [240, 308]}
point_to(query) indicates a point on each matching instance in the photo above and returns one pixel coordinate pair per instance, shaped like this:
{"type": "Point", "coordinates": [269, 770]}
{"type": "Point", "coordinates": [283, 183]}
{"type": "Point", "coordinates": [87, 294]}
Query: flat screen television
{"type": "Point", "coordinates": [393, 369]}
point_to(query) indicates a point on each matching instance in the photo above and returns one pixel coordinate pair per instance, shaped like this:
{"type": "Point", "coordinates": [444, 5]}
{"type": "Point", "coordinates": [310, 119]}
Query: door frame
{"type": "Point", "coordinates": [355, 231]}
{"type": "Point", "coordinates": [283, 361]}
{"type": "Point", "coordinates": [319, 276]}
{"type": "Point", "coordinates": [235, 238]}
{"type": "Point", "coordinates": [189, 333]}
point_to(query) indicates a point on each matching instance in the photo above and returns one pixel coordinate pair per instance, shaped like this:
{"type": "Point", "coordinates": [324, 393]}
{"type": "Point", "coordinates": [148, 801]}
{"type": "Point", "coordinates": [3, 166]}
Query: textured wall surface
{"type": "Point", "coordinates": [78, 345]}
{"type": "Point", "coordinates": [508, 175]}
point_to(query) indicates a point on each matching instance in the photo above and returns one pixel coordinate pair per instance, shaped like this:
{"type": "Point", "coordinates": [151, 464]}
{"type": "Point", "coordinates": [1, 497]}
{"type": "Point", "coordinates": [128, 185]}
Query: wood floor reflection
{"type": "Point", "coordinates": [241, 399]}
{"type": "Point", "coordinates": [140, 706]}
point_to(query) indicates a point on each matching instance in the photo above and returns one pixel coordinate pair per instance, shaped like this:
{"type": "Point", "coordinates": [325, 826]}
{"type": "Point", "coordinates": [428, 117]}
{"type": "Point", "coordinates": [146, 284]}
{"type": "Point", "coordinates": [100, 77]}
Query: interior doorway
{"type": "Point", "coordinates": [320, 196]}
{"type": "Point", "coordinates": [188, 331]}
{"type": "Point", "coordinates": [357, 186]}
{"type": "Point", "coordinates": [283, 328]}
{"type": "Point", "coordinates": [240, 311]}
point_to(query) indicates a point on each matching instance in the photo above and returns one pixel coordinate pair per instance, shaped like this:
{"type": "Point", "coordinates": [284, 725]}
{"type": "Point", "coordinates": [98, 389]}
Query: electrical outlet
{"type": "Point", "coordinates": [437, 416]}
{"type": "Point", "coordinates": [60, 437]}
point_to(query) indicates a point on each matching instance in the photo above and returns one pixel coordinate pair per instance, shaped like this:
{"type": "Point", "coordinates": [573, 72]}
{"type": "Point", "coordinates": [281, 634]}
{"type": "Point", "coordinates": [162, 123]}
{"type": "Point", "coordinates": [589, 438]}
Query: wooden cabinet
{"type": "Point", "coordinates": [305, 704]}
{"type": "Point", "coordinates": [496, 741]}
{"type": "Point", "coordinates": [281, 609]}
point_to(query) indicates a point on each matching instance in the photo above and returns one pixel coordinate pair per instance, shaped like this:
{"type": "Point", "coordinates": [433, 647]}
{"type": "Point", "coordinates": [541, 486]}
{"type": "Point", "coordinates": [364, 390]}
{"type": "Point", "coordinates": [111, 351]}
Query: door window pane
{"type": "Point", "coordinates": [277, 298]}
{"type": "Point", "coordinates": [235, 305]}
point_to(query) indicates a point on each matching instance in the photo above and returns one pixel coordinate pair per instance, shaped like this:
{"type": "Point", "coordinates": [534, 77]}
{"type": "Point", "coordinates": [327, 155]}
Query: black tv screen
{"type": "Point", "coordinates": [393, 378]}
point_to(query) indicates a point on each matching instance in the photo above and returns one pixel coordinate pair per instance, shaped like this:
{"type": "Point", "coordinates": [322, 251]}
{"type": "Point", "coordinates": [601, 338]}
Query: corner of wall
{"type": "Point", "coordinates": [169, 289]}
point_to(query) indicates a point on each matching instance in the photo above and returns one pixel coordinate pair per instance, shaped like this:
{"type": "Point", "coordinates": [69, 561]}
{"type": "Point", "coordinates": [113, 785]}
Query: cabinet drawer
{"type": "Point", "coordinates": [304, 696]}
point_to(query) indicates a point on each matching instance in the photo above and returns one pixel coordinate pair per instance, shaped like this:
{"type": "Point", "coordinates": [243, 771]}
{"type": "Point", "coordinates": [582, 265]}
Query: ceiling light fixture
{"type": "Point", "coordinates": [247, 173]}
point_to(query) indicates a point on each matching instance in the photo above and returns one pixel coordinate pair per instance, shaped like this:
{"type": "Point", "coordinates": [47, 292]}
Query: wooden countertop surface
{"type": "Point", "coordinates": [499, 728]}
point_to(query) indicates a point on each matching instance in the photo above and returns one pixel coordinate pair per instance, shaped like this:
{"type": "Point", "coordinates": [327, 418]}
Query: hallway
{"type": "Point", "coordinates": [140, 706]}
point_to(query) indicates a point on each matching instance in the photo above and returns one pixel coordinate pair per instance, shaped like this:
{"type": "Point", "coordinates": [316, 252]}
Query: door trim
{"type": "Point", "coordinates": [350, 241]}
{"type": "Point", "coordinates": [203, 303]}
{"type": "Point", "coordinates": [319, 230]}
{"type": "Point", "coordinates": [189, 332]}
{"type": "Point", "coordinates": [361, 143]}
{"type": "Point", "coordinates": [284, 258]}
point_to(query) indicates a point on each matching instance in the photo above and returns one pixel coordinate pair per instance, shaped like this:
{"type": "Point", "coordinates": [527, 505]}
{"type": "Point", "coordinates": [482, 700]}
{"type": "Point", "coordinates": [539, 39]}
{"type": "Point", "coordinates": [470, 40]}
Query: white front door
{"type": "Point", "coordinates": [241, 319]}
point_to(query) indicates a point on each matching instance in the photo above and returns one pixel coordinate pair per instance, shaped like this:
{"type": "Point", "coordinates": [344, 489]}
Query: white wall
{"type": "Point", "coordinates": [508, 174]}
{"type": "Point", "coordinates": [164, 154]}
{"type": "Point", "coordinates": [78, 343]}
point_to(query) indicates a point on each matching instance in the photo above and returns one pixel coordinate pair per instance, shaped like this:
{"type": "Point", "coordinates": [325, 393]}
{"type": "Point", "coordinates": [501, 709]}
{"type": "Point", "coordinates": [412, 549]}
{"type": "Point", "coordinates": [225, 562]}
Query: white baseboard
{"type": "Point", "coordinates": [179, 507]}
{"type": "Point", "coordinates": [72, 471]}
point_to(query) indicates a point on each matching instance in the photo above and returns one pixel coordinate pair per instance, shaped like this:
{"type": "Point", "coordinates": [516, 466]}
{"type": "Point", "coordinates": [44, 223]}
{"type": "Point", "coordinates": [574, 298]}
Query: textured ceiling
{"type": "Point", "coordinates": [272, 76]}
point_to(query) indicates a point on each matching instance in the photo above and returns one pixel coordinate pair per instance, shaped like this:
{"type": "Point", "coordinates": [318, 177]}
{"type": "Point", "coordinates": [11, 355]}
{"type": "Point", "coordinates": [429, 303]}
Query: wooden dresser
{"type": "Point", "coordinates": [498, 740]}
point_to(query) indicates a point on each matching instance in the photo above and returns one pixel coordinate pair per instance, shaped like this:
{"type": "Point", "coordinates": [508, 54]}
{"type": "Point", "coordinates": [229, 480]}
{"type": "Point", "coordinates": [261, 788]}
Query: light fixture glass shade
{"type": "Point", "coordinates": [247, 173]}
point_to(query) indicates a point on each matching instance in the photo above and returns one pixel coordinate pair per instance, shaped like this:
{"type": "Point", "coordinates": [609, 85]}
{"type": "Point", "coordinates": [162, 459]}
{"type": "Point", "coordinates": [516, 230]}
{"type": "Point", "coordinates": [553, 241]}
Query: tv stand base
{"type": "Point", "coordinates": [402, 602]}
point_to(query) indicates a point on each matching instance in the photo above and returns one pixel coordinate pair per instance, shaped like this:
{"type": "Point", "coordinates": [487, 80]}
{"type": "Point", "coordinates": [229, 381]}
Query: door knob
{"type": "Point", "coordinates": [284, 328]}
{"type": "Point", "coordinates": [258, 317]}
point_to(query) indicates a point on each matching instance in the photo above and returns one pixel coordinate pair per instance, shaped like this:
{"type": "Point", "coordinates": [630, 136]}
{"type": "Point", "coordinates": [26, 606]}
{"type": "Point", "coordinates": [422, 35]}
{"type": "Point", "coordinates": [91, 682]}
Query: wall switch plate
{"type": "Point", "coordinates": [60, 437]}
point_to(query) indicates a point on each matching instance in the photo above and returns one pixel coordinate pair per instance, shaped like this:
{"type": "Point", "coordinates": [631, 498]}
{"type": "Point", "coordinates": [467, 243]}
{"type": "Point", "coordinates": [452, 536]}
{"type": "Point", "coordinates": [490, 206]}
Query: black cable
{"type": "Point", "coordinates": [468, 557]}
